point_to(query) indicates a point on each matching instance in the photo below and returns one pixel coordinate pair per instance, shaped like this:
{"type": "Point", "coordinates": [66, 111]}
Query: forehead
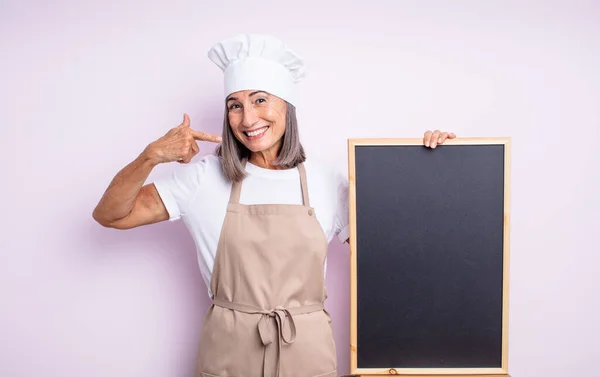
{"type": "Point", "coordinates": [249, 94]}
{"type": "Point", "coordinates": [240, 95]}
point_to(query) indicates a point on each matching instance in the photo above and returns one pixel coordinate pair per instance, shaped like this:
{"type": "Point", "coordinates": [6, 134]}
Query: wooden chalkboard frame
{"type": "Point", "coordinates": [418, 372]}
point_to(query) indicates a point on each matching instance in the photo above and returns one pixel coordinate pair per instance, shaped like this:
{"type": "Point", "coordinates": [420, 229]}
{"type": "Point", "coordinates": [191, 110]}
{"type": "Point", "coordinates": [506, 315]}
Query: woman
{"type": "Point", "coordinates": [262, 245]}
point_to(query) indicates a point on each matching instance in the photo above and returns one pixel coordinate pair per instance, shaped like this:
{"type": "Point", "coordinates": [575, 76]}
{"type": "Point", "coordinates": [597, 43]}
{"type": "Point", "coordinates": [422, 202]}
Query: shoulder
{"type": "Point", "coordinates": [211, 163]}
{"type": "Point", "coordinates": [325, 171]}
{"type": "Point", "coordinates": [208, 166]}
{"type": "Point", "coordinates": [326, 176]}
{"type": "Point", "coordinates": [181, 187]}
{"type": "Point", "coordinates": [188, 177]}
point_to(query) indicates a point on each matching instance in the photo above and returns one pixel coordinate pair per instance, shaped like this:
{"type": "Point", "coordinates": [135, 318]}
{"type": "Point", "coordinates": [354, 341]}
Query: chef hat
{"type": "Point", "coordinates": [258, 62]}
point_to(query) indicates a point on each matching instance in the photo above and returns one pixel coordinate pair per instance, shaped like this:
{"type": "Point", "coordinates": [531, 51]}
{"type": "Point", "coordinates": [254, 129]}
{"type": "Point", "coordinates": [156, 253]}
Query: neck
{"type": "Point", "coordinates": [265, 159]}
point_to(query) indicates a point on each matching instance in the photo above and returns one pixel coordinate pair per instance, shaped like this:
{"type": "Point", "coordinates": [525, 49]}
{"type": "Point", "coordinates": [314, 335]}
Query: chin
{"type": "Point", "coordinates": [260, 145]}
{"type": "Point", "coordinates": [257, 147]}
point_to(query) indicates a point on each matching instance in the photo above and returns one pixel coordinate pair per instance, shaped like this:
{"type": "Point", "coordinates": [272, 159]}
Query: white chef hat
{"type": "Point", "coordinates": [258, 62]}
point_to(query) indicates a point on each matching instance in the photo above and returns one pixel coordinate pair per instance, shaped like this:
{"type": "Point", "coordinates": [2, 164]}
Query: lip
{"type": "Point", "coordinates": [255, 129]}
{"type": "Point", "coordinates": [257, 136]}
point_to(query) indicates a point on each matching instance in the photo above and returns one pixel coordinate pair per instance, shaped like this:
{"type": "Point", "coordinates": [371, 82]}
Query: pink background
{"type": "Point", "coordinates": [86, 85]}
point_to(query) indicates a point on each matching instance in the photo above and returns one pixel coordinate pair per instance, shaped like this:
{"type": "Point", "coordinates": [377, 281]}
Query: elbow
{"type": "Point", "coordinates": [119, 224]}
{"type": "Point", "coordinates": [97, 216]}
{"type": "Point", "coordinates": [102, 219]}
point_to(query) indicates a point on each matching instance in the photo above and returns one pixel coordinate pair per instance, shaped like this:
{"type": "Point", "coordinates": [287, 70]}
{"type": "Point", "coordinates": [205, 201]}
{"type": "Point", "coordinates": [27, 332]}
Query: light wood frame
{"type": "Point", "coordinates": [421, 372]}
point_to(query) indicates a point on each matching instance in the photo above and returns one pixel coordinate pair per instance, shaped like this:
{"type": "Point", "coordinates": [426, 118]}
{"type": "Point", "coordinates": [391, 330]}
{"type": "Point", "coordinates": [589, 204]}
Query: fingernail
{"type": "Point", "coordinates": [427, 144]}
{"type": "Point", "coordinates": [440, 140]}
{"type": "Point", "coordinates": [219, 138]}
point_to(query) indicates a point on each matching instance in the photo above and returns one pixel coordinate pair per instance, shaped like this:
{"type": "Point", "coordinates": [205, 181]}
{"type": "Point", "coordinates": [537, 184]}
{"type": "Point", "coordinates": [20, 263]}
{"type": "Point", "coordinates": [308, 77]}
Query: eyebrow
{"type": "Point", "coordinates": [251, 94]}
{"type": "Point", "coordinates": [258, 91]}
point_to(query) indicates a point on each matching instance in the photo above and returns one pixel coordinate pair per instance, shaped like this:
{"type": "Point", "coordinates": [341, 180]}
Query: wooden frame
{"type": "Point", "coordinates": [420, 372]}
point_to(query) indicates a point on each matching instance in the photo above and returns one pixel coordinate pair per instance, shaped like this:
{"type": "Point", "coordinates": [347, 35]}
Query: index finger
{"type": "Point", "coordinates": [198, 135]}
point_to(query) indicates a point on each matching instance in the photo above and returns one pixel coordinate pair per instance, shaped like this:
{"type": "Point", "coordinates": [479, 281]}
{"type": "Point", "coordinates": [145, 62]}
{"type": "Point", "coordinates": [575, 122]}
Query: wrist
{"type": "Point", "coordinates": [149, 157]}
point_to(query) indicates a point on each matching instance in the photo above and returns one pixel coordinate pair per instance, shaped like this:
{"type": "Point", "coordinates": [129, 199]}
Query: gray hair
{"type": "Point", "coordinates": [231, 152]}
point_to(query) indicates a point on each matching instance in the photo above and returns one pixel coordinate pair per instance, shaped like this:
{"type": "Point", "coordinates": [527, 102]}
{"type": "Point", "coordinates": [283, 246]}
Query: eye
{"type": "Point", "coordinates": [261, 100]}
{"type": "Point", "coordinates": [234, 106]}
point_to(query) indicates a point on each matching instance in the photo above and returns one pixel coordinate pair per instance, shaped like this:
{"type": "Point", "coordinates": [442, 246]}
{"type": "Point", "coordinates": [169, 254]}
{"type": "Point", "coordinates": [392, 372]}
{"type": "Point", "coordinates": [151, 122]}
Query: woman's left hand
{"type": "Point", "coordinates": [433, 138]}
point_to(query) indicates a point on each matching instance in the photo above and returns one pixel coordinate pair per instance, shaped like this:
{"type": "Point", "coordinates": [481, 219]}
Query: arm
{"type": "Point", "coordinates": [127, 203]}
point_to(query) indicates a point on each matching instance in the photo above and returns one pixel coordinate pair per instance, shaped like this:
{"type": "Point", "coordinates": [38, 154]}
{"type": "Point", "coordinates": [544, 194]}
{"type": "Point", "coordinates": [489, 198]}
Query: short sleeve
{"type": "Point", "coordinates": [179, 188]}
{"type": "Point", "coordinates": [342, 222]}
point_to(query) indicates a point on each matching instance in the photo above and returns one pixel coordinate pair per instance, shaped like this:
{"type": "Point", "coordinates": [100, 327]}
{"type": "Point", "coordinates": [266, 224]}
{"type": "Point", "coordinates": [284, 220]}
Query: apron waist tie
{"type": "Point", "coordinates": [281, 316]}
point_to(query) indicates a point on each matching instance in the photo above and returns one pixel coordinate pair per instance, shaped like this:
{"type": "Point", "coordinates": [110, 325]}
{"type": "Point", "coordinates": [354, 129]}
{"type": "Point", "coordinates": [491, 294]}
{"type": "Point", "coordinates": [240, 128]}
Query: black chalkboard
{"type": "Point", "coordinates": [430, 250]}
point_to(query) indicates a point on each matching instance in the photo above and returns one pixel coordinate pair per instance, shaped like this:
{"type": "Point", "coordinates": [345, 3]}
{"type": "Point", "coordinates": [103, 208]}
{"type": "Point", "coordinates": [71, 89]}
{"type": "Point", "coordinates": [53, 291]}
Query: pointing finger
{"type": "Point", "coordinates": [205, 137]}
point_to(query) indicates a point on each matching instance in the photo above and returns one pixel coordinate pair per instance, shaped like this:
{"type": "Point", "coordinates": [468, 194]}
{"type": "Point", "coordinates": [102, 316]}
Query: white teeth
{"type": "Point", "coordinates": [257, 132]}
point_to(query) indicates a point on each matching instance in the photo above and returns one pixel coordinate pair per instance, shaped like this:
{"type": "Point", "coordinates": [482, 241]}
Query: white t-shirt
{"type": "Point", "coordinates": [198, 193]}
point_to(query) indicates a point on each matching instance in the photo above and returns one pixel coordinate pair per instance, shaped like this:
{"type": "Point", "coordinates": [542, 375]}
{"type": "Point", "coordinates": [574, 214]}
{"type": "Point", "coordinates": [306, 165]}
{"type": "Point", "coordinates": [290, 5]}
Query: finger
{"type": "Point", "coordinates": [184, 150]}
{"type": "Point", "coordinates": [427, 138]}
{"type": "Point", "coordinates": [434, 138]}
{"type": "Point", "coordinates": [205, 137]}
{"type": "Point", "coordinates": [442, 138]}
{"type": "Point", "coordinates": [185, 159]}
{"type": "Point", "coordinates": [189, 149]}
{"type": "Point", "coordinates": [195, 149]}
{"type": "Point", "coordinates": [451, 135]}
{"type": "Point", "coordinates": [186, 120]}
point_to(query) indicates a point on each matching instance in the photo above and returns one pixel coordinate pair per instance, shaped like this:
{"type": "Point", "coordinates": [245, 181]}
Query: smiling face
{"type": "Point", "coordinates": [257, 119]}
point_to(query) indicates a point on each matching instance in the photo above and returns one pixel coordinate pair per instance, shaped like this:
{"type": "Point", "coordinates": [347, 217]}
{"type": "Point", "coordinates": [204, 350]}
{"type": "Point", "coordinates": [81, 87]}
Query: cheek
{"type": "Point", "coordinates": [234, 122]}
{"type": "Point", "coordinates": [279, 111]}
{"type": "Point", "coordinates": [276, 115]}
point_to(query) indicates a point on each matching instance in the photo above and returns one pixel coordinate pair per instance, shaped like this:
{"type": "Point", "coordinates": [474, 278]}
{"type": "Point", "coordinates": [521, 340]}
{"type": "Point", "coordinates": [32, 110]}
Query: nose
{"type": "Point", "coordinates": [250, 117]}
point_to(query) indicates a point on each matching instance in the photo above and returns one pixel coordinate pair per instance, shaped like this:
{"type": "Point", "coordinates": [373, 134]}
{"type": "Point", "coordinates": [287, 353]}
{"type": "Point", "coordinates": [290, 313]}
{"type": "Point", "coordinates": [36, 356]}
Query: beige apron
{"type": "Point", "coordinates": [267, 317]}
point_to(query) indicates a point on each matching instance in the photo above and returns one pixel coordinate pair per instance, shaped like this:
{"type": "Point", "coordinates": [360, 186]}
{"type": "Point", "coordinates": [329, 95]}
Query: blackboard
{"type": "Point", "coordinates": [429, 247]}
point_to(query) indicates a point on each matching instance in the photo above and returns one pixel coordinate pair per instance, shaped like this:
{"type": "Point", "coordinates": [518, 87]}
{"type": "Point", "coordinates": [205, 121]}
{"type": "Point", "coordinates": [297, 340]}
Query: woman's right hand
{"type": "Point", "coordinates": [179, 144]}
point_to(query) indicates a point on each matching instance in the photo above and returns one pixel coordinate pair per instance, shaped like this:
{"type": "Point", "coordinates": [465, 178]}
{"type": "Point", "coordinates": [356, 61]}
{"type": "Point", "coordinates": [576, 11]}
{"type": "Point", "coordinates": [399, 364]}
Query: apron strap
{"type": "Point", "coordinates": [236, 188]}
{"type": "Point", "coordinates": [303, 184]}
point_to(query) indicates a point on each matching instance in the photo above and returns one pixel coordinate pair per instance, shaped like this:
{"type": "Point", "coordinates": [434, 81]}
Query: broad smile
{"type": "Point", "coordinates": [257, 133]}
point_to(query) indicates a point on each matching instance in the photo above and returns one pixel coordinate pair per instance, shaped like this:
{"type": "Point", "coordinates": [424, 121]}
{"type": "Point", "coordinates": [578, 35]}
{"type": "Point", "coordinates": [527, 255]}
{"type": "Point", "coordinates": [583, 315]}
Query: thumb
{"type": "Point", "coordinates": [186, 120]}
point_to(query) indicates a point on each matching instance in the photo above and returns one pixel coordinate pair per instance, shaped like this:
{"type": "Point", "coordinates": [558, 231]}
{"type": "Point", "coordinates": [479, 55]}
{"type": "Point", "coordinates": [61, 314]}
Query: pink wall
{"type": "Point", "coordinates": [85, 85]}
